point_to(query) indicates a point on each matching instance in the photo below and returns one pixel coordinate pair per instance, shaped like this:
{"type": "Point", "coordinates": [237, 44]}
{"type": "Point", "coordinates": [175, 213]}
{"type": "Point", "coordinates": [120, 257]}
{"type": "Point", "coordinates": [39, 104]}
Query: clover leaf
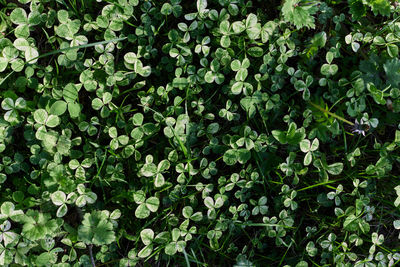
{"type": "Point", "coordinates": [37, 225]}
{"type": "Point", "coordinates": [96, 229]}
{"type": "Point", "coordinates": [146, 206]}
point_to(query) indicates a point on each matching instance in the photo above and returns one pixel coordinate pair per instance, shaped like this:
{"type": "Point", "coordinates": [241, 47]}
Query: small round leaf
{"type": "Point", "coordinates": [58, 108]}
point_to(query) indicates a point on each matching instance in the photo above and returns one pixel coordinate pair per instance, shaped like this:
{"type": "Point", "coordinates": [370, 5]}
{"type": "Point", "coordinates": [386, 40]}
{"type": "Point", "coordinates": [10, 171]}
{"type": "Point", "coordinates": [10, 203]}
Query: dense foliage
{"type": "Point", "coordinates": [199, 133]}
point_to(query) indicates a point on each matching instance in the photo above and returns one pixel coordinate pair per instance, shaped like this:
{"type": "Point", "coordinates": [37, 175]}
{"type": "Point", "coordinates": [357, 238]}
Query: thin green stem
{"type": "Point", "coordinates": [331, 114]}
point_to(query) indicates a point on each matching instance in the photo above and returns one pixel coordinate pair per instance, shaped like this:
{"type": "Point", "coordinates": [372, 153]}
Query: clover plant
{"type": "Point", "coordinates": [204, 133]}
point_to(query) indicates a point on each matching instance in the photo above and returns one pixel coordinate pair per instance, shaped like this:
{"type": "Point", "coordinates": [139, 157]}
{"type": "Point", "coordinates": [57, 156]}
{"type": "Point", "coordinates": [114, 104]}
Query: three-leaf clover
{"type": "Point", "coordinates": [175, 244]}
{"type": "Point", "coordinates": [151, 170]}
{"type": "Point", "coordinates": [12, 108]}
{"type": "Point", "coordinates": [307, 147]}
{"type": "Point", "coordinates": [60, 199]}
{"type": "Point", "coordinates": [146, 206]}
{"type": "Point", "coordinates": [85, 196]}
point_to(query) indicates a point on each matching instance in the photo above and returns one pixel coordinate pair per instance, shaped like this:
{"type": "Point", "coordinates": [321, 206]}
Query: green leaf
{"type": "Point", "coordinates": [335, 168]}
{"type": "Point", "coordinates": [187, 211]}
{"type": "Point", "coordinates": [180, 83]}
{"type": "Point", "coordinates": [20, 103]}
{"type": "Point", "coordinates": [8, 210]}
{"type": "Point", "coordinates": [163, 165]}
{"type": "Point", "coordinates": [209, 77]}
{"type": "Point", "coordinates": [329, 57]}
{"type": "Point", "coordinates": [392, 70]}
{"type": "Point", "coordinates": [376, 94]}
{"type": "Point", "coordinates": [299, 14]}
{"type": "Point", "coordinates": [137, 119]}
{"type": "Point", "coordinates": [359, 207]}
{"type": "Point", "coordinates": [198, 216]}
{"type": "Point", "coordinates": [238, 27]}
{"type": "Point", "coordinates": [307, 159]}
{"type": "Point", "coordinates": [318, 41]}
{"type": "Point", "coordinates": [248, 104]}
{"type": "Point", "coordinates": [381, 7]}
{"type": "Point", "coordinates": [255, 51]}
{"type": "Point", "coordinates": [329, 69]}
{"type": "Point", "coordinates": [396, 224]}
{"type": "Point", "coordinates": [142, 211]}
{"type": "Point", "coordinates": [279, 136]}
{"type": "Point", "coordinates": [37, 225]}
{"type": "Point", "coordinates": [296, 138]}
{"type": "Point", "coordinates": [364, 226]}
{"type": "Point", "coordinates": [70, 93]}
{"type": "Point", "coordinates": [237, 87]}
{"type": "Point", "coordinates": [62, 16]}
{"type": "Point", "coordinates": [166, 9]}
{"type": "Point", "coordinates": [97, 104]}
{"type": "Point", "coordinates": [139, 196]}
{"type": "Point", "coordinates": [397, 202]}
{"type": "Point", "coordinates": [213, 128]}
{"type": "Point", "coordinates": [53, 121]}
{"type": "Point", "coordinates": [96, 229]}
{"type": "Point", "coordinates": [357, 9]}
{"type": "Point", "coordinates": [355, 46]}
{"type": "Point", "coordinates": [8, 104]}
{"type": "Point", "coordinates": [243, 155]}
{"type": "Point", "coordinates": [302, 264]}
{"type": "Point", "coordinates": [314, 145]}
{"type": "Point", "coordinates": [144, 71]}
{"type": "Point", "coordinates": [62, 210]}
{"type": "Point", "coordinates": [397, 137]}
{"type": "Point", "coordinates": [3, 64]}
{"type": "Point", "coordinates": [152, 203]}
{"type": "Point", "coordinates": [40, 116]}
{"type": "Point", "coordinates": [31, 55]}
{"type": "Point", "coordinates": [305, 145]}
{"type": "Point", "coordinates": [58, 108]}
{"type": "Point", "coordinates": [21, 44]}
{"type": "Point", "coordinates": [350, 223]}
{"type": "Point", "coordinates": [149, 170]}
{"type": "Point", "coordinates": [393, 50]}
{"type": "Point", "coordinates": [235, 65]}
{"type": "Point", "coordinates": [224, 27]}
{"type": "Point", "coordinates": [201, 5]}
{"type": "Point", "coordinates": [171, 248]}
{"type": "Point", "coordinates": [378, 40]}
{"type": "Point", "coordinates": [22, 31]}
{"type": "Point", "coordinates": [243, 262]}
{"type": "Point", "coordinates": [116, 214]}
{"type": "Point", "coordinates": [146, 251]}
{"type": "Point", "coordinates": [251, 20]}
{"type": "Point", "coordinates": [131, 58]}
{"type": "Point", "coordinates": [254, 31]}
{"type": "Point", "coordinates": [159, 180]}
{"type": "Point", "coordinates": [225, 41]}
{"type": "Point", "coordinates": [19, 16]}
{"type": "Point", "coordinates": [267, 30]}
{"type": "Point", "coordinates": [230, 157]}
{"type": "Point", "coordinates": [74, 109]}
{"type": "Point", "coordinates": [46, 258]}
{"type": "Point", "coordinates": [112, 132]}
{"type": "Point", "coordinates": [58, 198]}
{"type": "Point", "coordinates": [147, 236]}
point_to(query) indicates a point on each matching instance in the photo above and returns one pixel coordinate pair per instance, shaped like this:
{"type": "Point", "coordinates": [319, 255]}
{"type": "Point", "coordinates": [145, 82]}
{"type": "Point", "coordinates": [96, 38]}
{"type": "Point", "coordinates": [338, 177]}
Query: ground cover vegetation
{"type": "Point", "coordinates": [199, 133]}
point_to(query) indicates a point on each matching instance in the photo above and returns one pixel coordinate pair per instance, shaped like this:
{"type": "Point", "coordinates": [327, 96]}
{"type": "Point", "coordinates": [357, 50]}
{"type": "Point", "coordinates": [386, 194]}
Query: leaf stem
{"type": "Point", "coordinates": [330, 113]}
{"type": "Point", "coordinates": [90, 247]}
